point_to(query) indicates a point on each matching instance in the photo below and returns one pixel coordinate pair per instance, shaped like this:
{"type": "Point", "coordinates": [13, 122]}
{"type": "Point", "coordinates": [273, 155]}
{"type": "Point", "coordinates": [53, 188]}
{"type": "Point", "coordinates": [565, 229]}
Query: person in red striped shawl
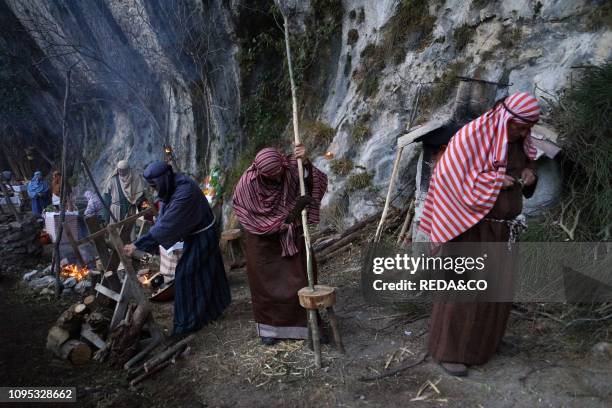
{"type": "Point", "coordinates": [268, 204]}
{"type": "Point", "coordinates": [475, 194]}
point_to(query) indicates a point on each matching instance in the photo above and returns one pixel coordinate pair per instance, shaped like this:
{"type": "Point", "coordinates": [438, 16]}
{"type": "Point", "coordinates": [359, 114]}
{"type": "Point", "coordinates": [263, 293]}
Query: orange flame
{"type": "Point", "coordinates": [329, 155]}
{"type": "Point", "coordinates": [145, 204]}
{"type": "Point", "coordinates": [73, 271]}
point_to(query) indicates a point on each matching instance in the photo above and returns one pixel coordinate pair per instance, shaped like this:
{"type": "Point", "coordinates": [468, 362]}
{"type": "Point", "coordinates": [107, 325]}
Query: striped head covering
{"type": "Point", "coordinates": [468, 177]}
{"type": "Point", "coordinates": [262, 205]}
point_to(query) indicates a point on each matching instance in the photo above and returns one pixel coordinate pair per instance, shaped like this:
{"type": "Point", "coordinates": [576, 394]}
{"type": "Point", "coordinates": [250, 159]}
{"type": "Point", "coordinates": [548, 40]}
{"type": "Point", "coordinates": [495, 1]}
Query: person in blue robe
{"type": "Point", "coordinates": [38, 191]}
{"type": "Point", "coordinates": [201, 288]}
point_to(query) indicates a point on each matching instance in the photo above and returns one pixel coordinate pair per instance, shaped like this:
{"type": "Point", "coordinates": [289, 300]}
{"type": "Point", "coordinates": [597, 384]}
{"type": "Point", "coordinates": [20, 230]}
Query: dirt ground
{"type": "Point", "coordinates": [541, 363]}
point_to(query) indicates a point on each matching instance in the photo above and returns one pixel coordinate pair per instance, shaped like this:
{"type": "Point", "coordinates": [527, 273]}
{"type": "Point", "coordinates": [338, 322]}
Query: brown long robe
{"type": "Point", "coordinates": [274, 281]}
{"type": "Point", "coordinates": [470, 332]}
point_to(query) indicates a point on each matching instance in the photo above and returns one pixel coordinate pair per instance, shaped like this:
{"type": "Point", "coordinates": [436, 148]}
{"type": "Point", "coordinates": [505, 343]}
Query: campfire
{"type": "Point", "coordinates": [74, 271]}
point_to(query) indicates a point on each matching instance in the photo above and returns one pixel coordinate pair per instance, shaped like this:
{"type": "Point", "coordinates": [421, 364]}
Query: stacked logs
{"type": "Point", "coordinates": [82, 333]}
{"type": "Point", "coordinates": [77, 330]}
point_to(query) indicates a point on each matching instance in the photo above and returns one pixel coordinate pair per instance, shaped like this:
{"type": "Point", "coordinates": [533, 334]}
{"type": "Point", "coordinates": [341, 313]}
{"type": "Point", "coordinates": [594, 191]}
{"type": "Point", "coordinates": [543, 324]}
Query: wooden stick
{"type": "Point", "coordinates": [333, 321]}
{"type": "Point", "coordinates": [402, 233]}
{"type": "Point", "coordinates": [148, 374]}
{"type": "Point", "coordinates": [312, 314]}
{"type": "Point", "coordinates": [383, 217]}
{"type": "Point", "coordinates": [404, 366]}
{"type": "Point", "coordinates": [169, 352]}
{"type": "Point", "coordinates": [142, 354]}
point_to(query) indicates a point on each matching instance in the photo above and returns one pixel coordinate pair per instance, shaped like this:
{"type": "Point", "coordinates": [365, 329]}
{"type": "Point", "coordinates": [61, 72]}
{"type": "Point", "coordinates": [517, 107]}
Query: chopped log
{"type": "Point", "coordinates": [76, 351]}
{"type": "Point", "coordinates": [89, 301]}
{"type": "Point", "coordinates": [80, 309]}
{"type": "Point", "coordinates": [56, 337]}
{"type": "Point", "coordinates": [88, 334]}
{"type": "Point", "coordinates": [70, 320]}
{"type": "Point", "coordinates": [168, 353]}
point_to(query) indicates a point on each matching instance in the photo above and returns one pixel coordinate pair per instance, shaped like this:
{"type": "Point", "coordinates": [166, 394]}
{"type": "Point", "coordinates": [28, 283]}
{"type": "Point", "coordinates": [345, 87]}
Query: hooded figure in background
{"type": "Point", "coordinates": [38, 191]}
{"type": "Point", "coordinates": [6, 177]}
{"type": "Point", "coordinates": [201, 288]}
{"type": "Point", "coordinates": [94, 205]}
{"type": "Point", "coordinates": [56, 188]}
{"type": "Point", "coordinates": [126, 191]}
{"type": "Point", "coordinates": [268, 204]}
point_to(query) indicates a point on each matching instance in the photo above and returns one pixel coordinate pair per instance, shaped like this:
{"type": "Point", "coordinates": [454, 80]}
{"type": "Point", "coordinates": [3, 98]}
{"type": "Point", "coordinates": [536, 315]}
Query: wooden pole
{"type": "Point", "coordinates": [312, 314]}
{"type": "Point", "coordinates": [383, 217]}
{"type": "Point", "coordinates": [56, 251]}
{"type": "Point", "coordinates": [396, 164]}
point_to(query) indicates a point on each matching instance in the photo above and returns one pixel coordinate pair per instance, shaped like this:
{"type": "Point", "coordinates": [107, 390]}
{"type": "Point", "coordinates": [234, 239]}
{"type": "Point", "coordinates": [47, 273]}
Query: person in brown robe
{"type": "Point", "coordinates": [469, 333]}
{"type": "Point", "coordinates": [267, 203]}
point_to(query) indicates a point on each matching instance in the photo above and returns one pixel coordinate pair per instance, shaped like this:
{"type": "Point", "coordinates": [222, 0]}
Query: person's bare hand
{"type": "Point", "coordinates": [299, 151]}
{"type": "Point", "coordinates": [507, 181]}
{"type": "Point", "coordinates": [528, 176]}
{"type": "Point", "coordinates": [129, 249]}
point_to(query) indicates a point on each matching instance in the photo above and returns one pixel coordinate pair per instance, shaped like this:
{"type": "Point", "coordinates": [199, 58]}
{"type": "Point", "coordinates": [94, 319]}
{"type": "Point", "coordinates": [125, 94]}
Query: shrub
{"type": "Point", "coordinates": [462, 36]}
{"type": "Point", "coordinates": [341, 167]}
{"type": "Point", "coordinates": [317, 136]}
{"type": "Point", "coordinates": [410, 21]}
{"type": "Point", "coordinates": [583, 117]}
{"type": "Point", "coordinates": [442, 90]}
{"type": "Point", "coordinates": [359, 181]}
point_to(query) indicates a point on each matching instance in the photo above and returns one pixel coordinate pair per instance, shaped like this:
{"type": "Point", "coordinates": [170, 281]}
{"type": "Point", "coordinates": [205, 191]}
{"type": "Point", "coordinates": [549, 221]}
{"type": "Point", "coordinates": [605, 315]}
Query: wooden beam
{"type": "Point", "coordinates": [108, 292]}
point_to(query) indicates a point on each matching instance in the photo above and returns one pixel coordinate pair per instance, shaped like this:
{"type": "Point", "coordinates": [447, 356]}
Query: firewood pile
{"type": "Point", "coordinates": [82, 334]}
{"type": "Point", "coordinates": [328, 244]}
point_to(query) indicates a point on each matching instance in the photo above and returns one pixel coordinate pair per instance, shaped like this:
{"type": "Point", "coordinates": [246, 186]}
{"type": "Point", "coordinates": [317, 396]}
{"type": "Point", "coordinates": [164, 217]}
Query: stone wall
{"type": "Point", "coordinates": [19, 240]}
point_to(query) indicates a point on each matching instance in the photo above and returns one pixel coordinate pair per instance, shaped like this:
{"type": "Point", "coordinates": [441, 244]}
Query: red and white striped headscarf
{"type": "Point", "coordinates": [262, 205]}
{"type": "Point", "coordinates": [468, 177]}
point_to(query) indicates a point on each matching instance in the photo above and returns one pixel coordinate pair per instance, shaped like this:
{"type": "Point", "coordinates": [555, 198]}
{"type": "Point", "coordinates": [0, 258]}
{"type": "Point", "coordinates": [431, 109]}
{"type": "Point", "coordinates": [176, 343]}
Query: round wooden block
{"type": "Point", "coordinates": [321, 297]}
{"type": "Point", "coordinates": [232, 234]}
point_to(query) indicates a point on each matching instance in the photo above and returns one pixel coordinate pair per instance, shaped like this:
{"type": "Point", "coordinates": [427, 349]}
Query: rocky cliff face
{"type": "Point", "coordinates": [194, 74]}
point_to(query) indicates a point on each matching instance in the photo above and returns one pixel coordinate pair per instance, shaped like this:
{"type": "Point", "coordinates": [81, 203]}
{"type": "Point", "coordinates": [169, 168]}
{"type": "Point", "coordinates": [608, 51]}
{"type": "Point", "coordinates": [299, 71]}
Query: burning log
{"type": "Point", "coordinates": [74, 271]}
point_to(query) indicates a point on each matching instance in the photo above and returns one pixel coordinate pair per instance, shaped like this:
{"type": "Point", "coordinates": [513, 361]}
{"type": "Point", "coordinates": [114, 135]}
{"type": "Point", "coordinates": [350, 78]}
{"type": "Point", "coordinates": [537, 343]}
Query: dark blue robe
{"type": "Point", "coordinates": [201, 288]}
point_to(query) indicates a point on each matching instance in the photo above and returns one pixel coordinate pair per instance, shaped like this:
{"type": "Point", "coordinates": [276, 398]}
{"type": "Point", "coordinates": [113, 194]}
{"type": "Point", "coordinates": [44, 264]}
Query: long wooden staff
{"type": "Point", "coordinates": [312, 314]}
